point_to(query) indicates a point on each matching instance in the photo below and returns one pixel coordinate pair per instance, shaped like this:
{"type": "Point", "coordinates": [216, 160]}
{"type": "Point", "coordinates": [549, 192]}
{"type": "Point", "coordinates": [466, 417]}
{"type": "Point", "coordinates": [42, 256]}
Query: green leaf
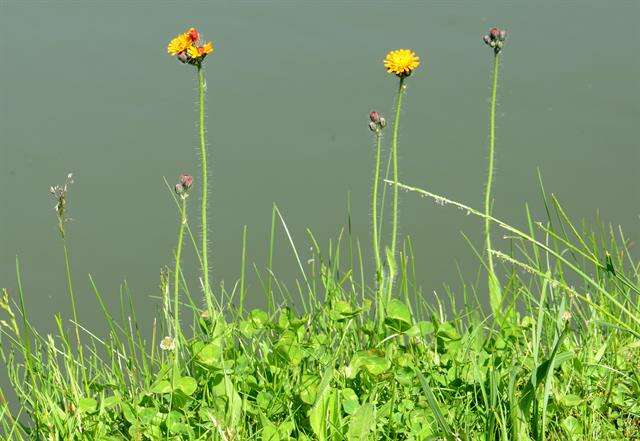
{"type": "Point", "coordinates": [447, 331]}
{"type": "Point", "coordinates": [323, 414]}
{"type": "Point", "coordinates": [110, 401]}
{"type": "Point", "coordinates": [269, 433]}
{"type": "Point", "coordinates": [398, 315]}
{"type": "Point", "coordinates": [259, 318]}
{"type": "Point", "coordinates": [188, 385]}
{"type": "Point", "coordinates": [420, 329]}
{"type": "Point", "coordinates": [175, 424]}
{"type": "Point", "coordinates": [147, 414]}
{"type": "Point", "coordinates": [349, 400]}
{"type": "Point", "coordinates": [570, 400]}
{"type": "Point", "coordinates": [343, 310]}
{"type": "Point", "coordinates": [372, 360]}
{"type": "Point", "coordinates": [361, 423]}
{"type": "Point", "coordinates": [161, 387]}
{"type": "Point", "coordinates": [211, 353]}
{"type": "Point", "coordinates": [435, 408]}
{"type": "Point", "coordinates": [87, 405]}
{"type": "Point", "coordinates": [309, 388]}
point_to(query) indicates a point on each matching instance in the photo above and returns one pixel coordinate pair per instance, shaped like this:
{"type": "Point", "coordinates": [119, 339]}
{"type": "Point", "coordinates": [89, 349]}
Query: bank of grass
{"type": "Point", "coordinates": [364, 355]}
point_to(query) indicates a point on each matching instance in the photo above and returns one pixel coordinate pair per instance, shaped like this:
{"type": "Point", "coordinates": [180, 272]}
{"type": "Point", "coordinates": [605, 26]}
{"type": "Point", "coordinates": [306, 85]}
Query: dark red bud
{"type": "Point", "coordinates": [374, 117]}
{"type": "Point", "coordinates": [186, 181]}
{"type": "Point", "coordinates": [494, 33]}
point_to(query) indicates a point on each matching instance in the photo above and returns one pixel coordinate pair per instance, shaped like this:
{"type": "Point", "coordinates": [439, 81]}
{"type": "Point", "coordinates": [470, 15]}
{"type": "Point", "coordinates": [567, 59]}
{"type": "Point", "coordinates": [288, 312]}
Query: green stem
{"type": "Point", "coordinates": [394, 156]}
{"type": "Point", "coordinates": [203, 208]}
{"type": "Point", "coordinates": [176, 273]}
{"type": "Point", "coordinates": [72, 298]}
{"type": "Point", "coordinates": [487, 196]}
{"type": "Point", "coordinates": [374, 208]}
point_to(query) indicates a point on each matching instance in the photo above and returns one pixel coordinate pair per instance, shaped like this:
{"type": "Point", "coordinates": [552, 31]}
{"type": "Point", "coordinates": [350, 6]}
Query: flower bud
{"type": "Point", "coordinates": [503, 35]}
{"type": "Point", "coordinates": [494, 33]}
{"type": "Point", "coordinates": [182, 56]}
{"type": "Point", "coordinates": [373, 126]}
{"type": "Point", "coordinates": [186, 181]}
{"type": "Point", "coordinates": [486, 39]}
{"type": "Point", "coordinates": [374, 117]}
{"type": "Point", "coordinates": [178, 188]}
{"type": "Point", "coordinates": [383, 122]}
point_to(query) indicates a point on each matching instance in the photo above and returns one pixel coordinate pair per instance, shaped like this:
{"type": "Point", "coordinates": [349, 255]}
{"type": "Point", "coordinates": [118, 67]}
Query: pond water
{"type": "Point", "coordinates": [88, 88]}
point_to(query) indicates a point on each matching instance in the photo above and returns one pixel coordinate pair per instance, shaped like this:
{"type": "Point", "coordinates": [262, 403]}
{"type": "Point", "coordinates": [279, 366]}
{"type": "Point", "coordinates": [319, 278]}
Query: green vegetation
{"type": "Point", "coordinates": [354, 353]}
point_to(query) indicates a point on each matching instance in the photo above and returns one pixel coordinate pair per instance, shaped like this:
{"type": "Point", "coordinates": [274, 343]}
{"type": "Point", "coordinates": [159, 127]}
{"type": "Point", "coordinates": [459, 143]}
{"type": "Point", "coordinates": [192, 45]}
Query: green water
{"type": "Point", "coordinates": [86, 87]}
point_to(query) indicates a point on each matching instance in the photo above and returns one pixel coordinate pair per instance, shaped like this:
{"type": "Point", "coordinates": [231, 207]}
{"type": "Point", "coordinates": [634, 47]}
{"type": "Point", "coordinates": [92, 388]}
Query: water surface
{"type": "Point", "coordinates": [86, 87]}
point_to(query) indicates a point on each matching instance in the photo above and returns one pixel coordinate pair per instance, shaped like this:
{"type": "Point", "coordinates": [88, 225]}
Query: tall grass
{"type": "Point", "coordinates": [555, 358]}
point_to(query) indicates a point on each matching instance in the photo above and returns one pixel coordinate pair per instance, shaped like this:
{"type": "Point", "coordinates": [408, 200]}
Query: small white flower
{"type": "Point", "coordinates": [167, 344]}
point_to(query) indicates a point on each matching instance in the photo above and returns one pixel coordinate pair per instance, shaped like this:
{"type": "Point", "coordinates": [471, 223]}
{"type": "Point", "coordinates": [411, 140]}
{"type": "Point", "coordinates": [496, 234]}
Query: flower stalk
{"type": "Point", "coordinates": [495, 39]}
{"type": "Point", "coordinates": [203, 177]}
{"type": "Point", "coordinates": [59, 193]}
{"type": "Point", "coordinates": [394, 158]}
{"type": "Point", "coordinates": [182, 189]}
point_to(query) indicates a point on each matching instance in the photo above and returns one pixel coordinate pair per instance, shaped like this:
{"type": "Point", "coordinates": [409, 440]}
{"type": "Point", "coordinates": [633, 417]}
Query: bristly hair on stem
{"type": "Point", "coordinates": [494, 39]}
{"type": "Point", "coordinates": [391, 253]}
{"type": "Point", "coordinates": [204, 186]}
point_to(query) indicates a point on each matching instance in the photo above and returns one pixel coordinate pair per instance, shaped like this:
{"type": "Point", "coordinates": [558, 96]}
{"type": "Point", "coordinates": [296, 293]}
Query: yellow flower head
{"type": "Point", "coordinates": [401, 62]}
{"type": "Point", "coordinates": [179, 44]}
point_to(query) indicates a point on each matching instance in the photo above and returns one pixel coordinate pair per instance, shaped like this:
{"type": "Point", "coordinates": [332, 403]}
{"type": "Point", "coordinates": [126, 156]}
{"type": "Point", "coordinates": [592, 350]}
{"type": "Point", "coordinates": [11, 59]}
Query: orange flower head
{"type": "Point", "coordinates": [186, 48]}
{"type": "Point", "coordinates": [193, 34]}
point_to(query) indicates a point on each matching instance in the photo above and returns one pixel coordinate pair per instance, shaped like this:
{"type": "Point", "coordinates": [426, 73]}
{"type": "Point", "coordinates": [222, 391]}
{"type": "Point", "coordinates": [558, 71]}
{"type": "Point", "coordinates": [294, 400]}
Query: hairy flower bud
{"type": "Point", "coordinates": [373, 126]}
{"type": "Point", "coordinates": [186, 181]}
{"type": "Point", "coordinates": [182, 56]}
{"type": "Point", "coordinates": [383, 122]}
{"type": "Point", "coordinates": [374, 116]}
{"type": "Point", "coordinates": [495, 39]}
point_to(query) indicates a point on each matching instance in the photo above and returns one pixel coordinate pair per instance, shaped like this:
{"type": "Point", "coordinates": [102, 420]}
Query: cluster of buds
{"type": "Point", "coordinates": [59, 192]}
{"type": "Point", "coordinates": [185, 182]}
{"type": "Point", "coordinates": [377, 122]}
{"type": "Point", "coordinates": [495, 39]}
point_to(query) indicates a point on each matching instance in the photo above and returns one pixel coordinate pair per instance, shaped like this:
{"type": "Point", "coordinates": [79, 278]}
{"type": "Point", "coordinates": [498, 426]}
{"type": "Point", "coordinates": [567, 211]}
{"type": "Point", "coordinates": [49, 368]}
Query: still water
{"type": "Point", "coordinates": [86, 87]}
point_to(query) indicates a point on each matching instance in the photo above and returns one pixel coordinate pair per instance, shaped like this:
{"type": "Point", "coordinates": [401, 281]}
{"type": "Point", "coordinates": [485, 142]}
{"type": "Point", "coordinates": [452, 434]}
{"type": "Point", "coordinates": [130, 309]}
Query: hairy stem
{"type": "Point", "coordinates": [394, 156]}
{"type": "Point", "coordinates": [493, 287]}
{"type": "Point", "coordinates": [176, 273]}
{"type": "Point", "coordinates": [374, 208]}
{"type": "Point", "coordinates": [203, 208]}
